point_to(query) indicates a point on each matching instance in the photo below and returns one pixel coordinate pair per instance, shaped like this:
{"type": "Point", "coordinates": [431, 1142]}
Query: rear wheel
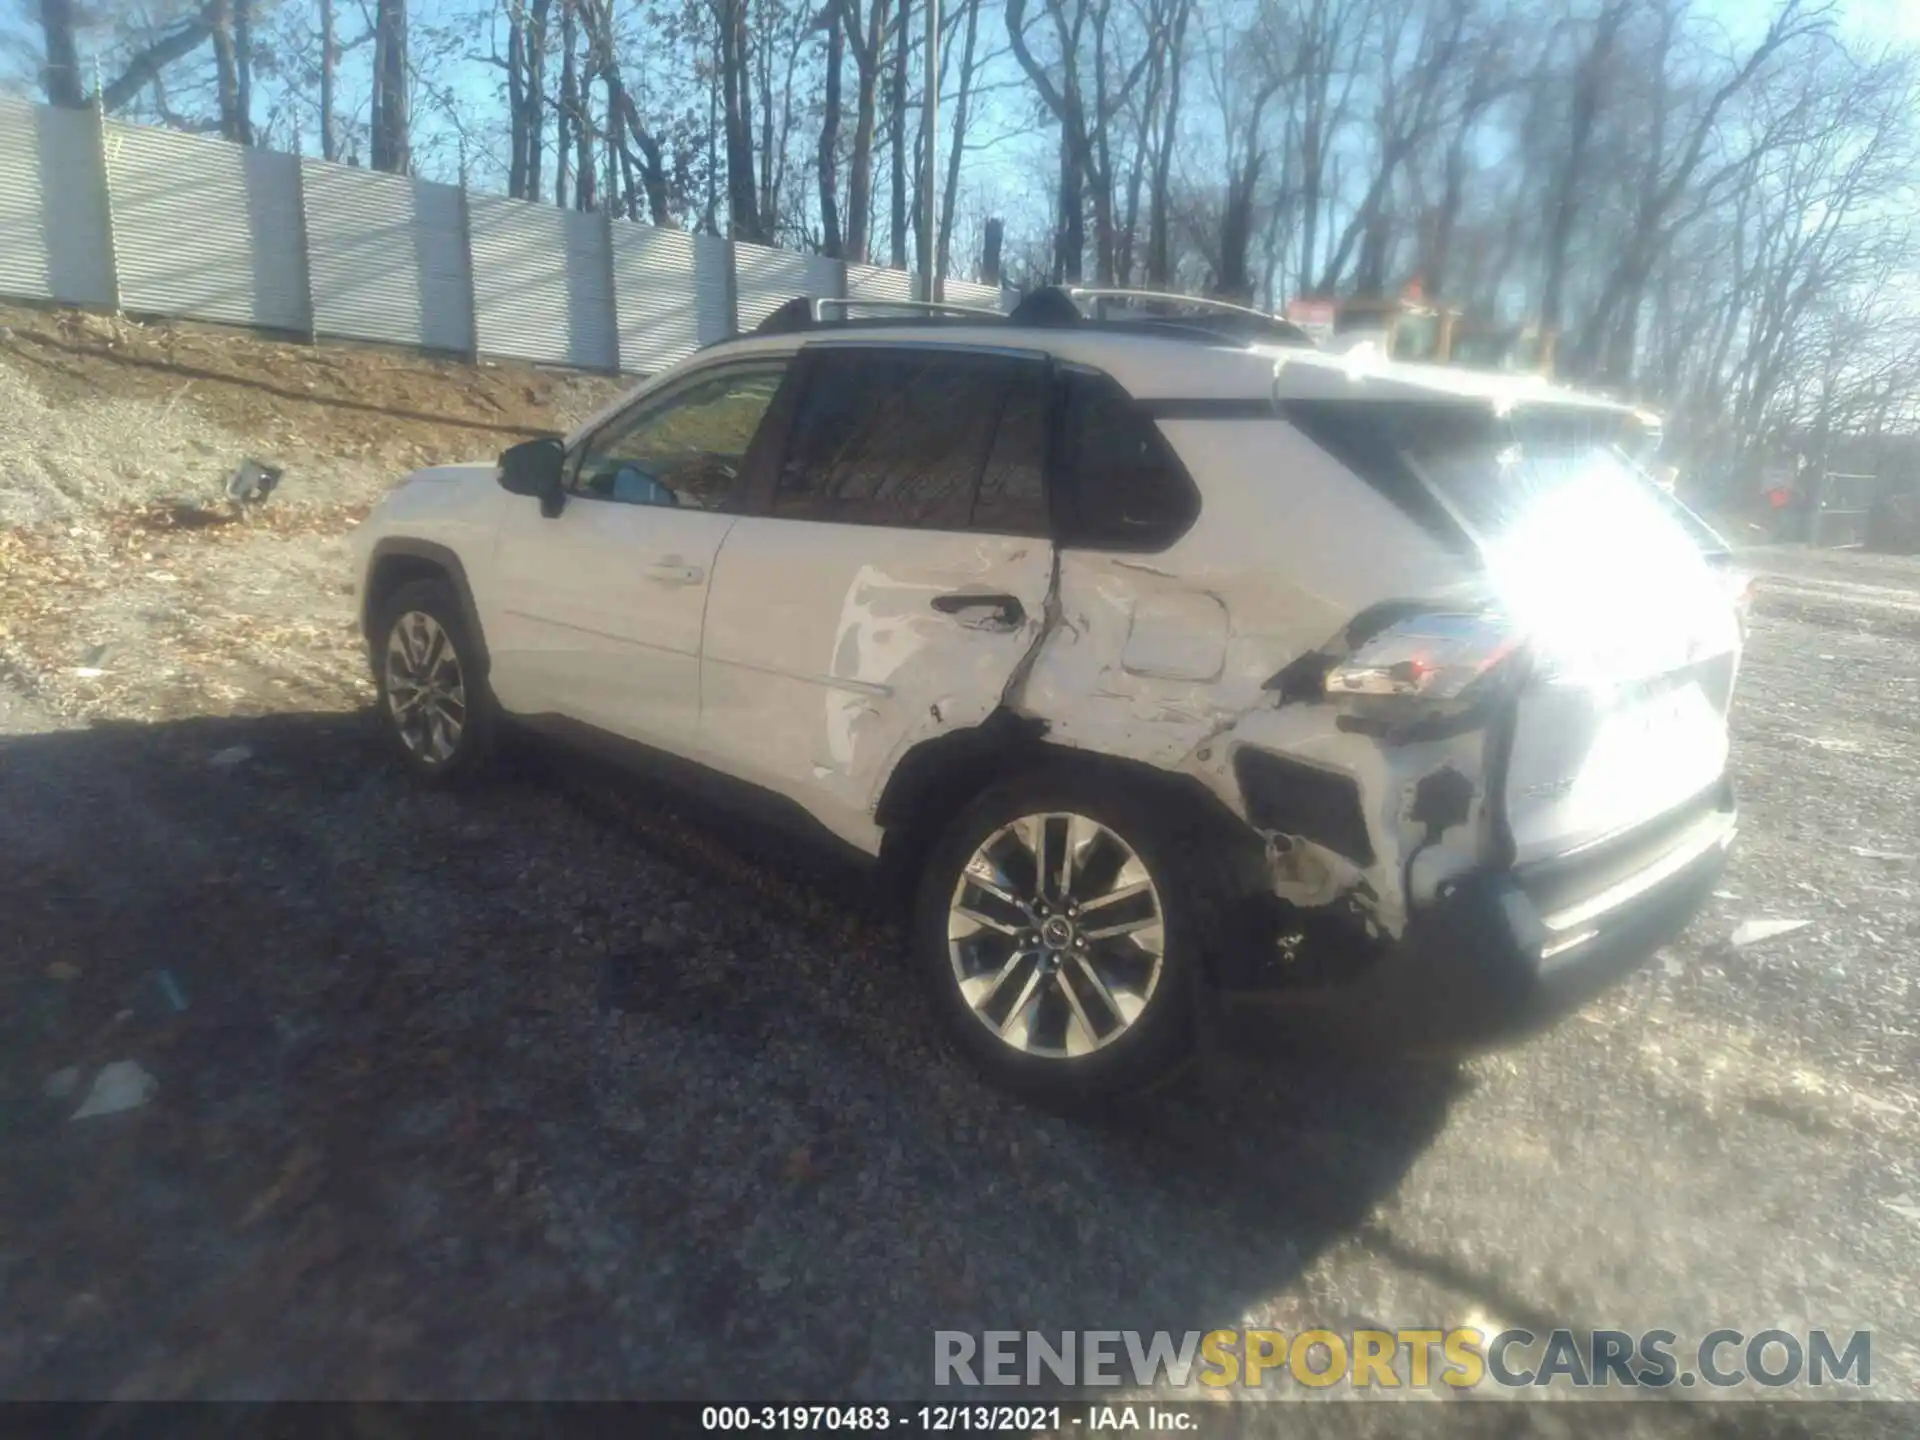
{"type": "Point", "coordinates": [434, 703]}
{"type": "Point", "coordinates": [1060, 940]}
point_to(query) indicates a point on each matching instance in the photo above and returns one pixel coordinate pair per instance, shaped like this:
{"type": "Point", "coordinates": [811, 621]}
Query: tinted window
{"type": "Point", "coordinates": [1013, 497]}
{"type": "Point", "coordinates": [1129, 490]}
{"type": "Point", "coordinates": [901, 437]}
{"type": "Point", "coordinates": [1495, 470]}
{"type": "Point", "coordinates": [682, 449]}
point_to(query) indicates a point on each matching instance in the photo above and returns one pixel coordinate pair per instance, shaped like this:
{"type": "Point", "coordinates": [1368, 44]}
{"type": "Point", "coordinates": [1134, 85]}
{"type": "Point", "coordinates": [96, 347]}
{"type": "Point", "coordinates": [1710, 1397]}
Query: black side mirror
{"type": "Point", "coordinates": [533, 468]}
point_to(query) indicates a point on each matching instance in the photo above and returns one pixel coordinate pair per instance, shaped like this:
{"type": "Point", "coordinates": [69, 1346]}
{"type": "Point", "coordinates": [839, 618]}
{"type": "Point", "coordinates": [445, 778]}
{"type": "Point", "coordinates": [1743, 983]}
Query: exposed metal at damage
{"type": "Point", "coordinates": [1431, 824]}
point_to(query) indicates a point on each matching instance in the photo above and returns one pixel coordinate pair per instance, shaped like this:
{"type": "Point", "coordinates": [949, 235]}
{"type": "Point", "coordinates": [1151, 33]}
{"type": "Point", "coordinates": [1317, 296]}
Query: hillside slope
{"type": "Point", "coordinates": [127, 589]}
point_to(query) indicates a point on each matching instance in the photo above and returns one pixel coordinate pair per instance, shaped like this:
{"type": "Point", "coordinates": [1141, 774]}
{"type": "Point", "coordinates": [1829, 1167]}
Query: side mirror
{"type": "Point", "coordinates": [533, 468]}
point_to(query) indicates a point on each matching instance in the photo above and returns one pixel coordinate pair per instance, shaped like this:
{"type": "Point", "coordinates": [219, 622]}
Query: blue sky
{"type": "Point", "coordinates": [1007, 170]}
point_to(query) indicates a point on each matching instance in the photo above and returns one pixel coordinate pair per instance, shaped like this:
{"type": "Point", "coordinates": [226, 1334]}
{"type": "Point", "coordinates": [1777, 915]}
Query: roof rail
{"type": "Point", "coordinates": [1211, 321]}
{"type": "Point", "coordinates": [1241, 321]}
{"type": "Point", "coordinates": [1053, 307]}
{"type": "Point", "coordinates": [808, 312]}
{"type": "Point", "coordinates": [843, 304]}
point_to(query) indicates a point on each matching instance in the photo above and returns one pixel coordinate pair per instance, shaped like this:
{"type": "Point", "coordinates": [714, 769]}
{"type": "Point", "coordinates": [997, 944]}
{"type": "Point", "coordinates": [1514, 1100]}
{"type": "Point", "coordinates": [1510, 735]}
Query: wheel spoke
{"type": "Point", "coordinates": [1079, 1017]}
{"type": "Point", "coordinates": [1100, 988]}
{"type": "Point", "coordinates": [1102, 862]}
{"type": "Point", "coordinates": [1020, 1005]}
{"type": "Point", "coordinates": [1007, 856]}
{"type": "Point", "coordinates": [1068, 851]}
{"type": "Point", "coordinates": [1032, 832]}
{"type": "Point", "coordinates": [1100, 953]}
{"type": "Point", "coordinates": [1123, 927]}
{"type": "Point", "coordinates": [980, 989]}
{"type": "Point", "coordinates": [436, 644]}
{"type": "Point", "coordinates": [1115, 896]}
{"type": "Point", "coordinates": [986, 884]}
{"type": "Point", "coordinates": [984, 921]}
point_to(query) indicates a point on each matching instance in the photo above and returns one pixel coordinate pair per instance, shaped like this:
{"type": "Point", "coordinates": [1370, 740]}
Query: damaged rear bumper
{"type": "Point", "coordinates": [1500, 954]}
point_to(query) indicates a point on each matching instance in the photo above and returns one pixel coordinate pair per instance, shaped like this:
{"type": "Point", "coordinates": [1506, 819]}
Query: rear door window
{"type": "Point", "coordinates": [916, 439]}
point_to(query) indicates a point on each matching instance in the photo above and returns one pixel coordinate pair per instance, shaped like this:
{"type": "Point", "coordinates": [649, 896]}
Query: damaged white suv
{"type": "Point", "coordinates": [1184, 676]}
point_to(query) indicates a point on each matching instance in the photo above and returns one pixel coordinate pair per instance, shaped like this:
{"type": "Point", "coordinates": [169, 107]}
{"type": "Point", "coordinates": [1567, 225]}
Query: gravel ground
{"type": "Point", "coordinates": [556, 1090]}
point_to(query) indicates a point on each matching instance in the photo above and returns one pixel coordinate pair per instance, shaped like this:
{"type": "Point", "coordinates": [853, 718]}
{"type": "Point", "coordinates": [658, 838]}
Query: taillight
{"type": "Point", "coordinates": [1428, 657]}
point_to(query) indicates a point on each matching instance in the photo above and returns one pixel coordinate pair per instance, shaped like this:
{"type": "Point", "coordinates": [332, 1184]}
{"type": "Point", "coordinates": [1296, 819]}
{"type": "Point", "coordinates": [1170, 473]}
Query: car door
{"type": "Point", "coordinates": [891, 574]}
{"type": "Point", "coordinates": [601, 604]}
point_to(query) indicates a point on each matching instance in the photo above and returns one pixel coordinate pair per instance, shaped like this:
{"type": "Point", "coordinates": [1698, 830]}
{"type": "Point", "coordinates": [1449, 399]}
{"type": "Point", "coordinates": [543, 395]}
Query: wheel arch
{"type": "Point", "coordinates": [397, 561]}
{"type": "Point", "coordinates": [940, 776]}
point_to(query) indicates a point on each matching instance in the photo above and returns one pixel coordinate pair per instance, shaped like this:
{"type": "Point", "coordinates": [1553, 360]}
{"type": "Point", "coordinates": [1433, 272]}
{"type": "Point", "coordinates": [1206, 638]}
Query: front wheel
{"type": "Point", "coordinates": [1060, 940]}
{"type": "Point", "coordinates": [434, 703]}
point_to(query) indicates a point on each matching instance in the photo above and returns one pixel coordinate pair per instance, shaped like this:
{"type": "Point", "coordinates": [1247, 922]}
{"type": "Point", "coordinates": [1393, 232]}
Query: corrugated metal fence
{"type": "Point", "coordinates": [95, 212]}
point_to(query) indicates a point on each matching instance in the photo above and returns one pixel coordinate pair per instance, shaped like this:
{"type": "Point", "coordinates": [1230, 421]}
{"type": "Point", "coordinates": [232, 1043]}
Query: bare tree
{"type": "Point", "coordinates": [61, 74]}
{"type": "Point", "coordinates": [329, 61]}
{"type": "Point", "coordinates": [866, 41]}
{"type": "Point", "coordinates": [827, 152]}
{"type": "Point", "coordinates": [392, 142]}
{"type": "Point", "coordinates": [1086, 45]}
{"type": "Point", "coordinates": [957, 133]}
{"type": "Point", "coordinates": [733, 56]}
{"type": "Point", "coordinates": [1669, 184]}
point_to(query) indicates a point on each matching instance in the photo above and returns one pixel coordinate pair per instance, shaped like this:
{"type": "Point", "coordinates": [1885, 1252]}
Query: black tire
{"type": "Point", "coordinates": [471, 753]}
{"type": "Point", "coordinates": [1158, 1043]}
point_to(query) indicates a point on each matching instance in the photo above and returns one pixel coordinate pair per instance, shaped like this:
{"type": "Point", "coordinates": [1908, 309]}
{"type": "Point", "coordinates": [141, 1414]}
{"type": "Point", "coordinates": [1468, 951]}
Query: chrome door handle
{"type": "Point", "coordinates": [671, 572]}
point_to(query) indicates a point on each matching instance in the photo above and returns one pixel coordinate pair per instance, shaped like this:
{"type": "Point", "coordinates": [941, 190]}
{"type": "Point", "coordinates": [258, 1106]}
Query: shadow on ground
{"type": "Point", "coordinates": [546, 1090]}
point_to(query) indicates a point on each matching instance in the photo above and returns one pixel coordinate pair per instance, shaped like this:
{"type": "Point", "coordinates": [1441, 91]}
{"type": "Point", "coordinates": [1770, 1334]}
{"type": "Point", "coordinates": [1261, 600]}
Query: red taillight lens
{"type": "Point", "coordinates": [1430, 657]}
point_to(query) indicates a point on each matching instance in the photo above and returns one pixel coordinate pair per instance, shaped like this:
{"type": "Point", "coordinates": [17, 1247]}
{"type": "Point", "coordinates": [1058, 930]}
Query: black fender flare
{"type": "Point", "coordinates": [406, 559]}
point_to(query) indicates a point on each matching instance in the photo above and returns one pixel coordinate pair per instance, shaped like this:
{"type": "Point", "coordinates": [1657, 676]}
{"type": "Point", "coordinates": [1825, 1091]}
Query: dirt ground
{"type": "Point", "coordinates": [129, 587]}
{"type": "Point", "coordinates": [559, 1090]}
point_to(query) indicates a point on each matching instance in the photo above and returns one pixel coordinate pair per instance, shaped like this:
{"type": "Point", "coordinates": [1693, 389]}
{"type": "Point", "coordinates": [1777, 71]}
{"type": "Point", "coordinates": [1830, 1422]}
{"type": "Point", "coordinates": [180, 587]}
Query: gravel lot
{"type": "Point", "coordinates": [555, 1090]}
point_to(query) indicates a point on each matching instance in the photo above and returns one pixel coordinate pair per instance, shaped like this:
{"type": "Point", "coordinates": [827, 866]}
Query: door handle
{"type": "Point", "coordinates": [1007, 611]}
{"type": "Point", "coordinates": [671, 571]}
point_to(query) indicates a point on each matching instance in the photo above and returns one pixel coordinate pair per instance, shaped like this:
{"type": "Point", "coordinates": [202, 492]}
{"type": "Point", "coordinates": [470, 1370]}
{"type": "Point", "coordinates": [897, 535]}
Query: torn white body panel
{"type": "Point", "coordinates": [1386, 778]}
{"type": "Point", "coordinates": [1156, 653]}
{"type": "Point", "coordinates": [824, 665]}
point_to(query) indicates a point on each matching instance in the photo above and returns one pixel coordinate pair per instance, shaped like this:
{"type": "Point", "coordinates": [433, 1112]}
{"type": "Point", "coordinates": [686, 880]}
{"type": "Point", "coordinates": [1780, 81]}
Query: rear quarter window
{"type": "Point", "coordinates": [1470, 475]}
{"type": "Point", "coordinates": [1123, 487]}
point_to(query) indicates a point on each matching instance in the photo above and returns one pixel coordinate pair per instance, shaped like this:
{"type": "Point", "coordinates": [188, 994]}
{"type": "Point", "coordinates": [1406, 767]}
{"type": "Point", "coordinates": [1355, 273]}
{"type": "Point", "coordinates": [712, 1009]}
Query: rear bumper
{"type": "Point", "coordinates": [1502, 954]}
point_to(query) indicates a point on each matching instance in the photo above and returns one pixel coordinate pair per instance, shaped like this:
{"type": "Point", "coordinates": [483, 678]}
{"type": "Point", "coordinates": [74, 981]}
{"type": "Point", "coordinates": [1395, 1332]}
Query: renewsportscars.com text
{"type": "Point", "coordinates": [1459, 1358]}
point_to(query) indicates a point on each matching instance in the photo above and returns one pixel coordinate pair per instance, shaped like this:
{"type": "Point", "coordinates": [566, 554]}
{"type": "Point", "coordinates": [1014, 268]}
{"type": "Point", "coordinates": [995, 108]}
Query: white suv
{"type": "Point", "coordinates": [1178, 671]}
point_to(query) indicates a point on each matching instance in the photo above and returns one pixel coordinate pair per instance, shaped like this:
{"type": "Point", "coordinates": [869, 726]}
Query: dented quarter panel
{"type": "Point", "coordinates": [1154, 654]}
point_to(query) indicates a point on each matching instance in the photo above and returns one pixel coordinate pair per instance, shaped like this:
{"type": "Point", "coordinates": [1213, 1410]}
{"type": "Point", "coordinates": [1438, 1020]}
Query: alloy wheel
{"type": "Point", "coordinates": [426, 688]}
{"type": "Point", "coordinates": [1056, 935]}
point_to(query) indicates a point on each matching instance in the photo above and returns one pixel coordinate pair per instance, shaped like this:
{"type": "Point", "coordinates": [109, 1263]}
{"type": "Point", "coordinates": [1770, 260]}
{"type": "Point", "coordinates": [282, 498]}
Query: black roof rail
{"type": "Point", "coordinates": [1154, 312]}
{"type": "Point", "coordinates": [929, 309]}
{"type": "Point", "coordinates": [810, 312]}
{"type": "Point", "coordinates": [1167, 316]}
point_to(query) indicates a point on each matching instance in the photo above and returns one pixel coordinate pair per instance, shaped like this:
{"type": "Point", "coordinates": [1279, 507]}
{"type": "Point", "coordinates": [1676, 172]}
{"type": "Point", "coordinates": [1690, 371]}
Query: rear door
{"type": "Point", "coordinates": [891, 577]}
{"type": "Point", "coordinates": [601, 605]}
